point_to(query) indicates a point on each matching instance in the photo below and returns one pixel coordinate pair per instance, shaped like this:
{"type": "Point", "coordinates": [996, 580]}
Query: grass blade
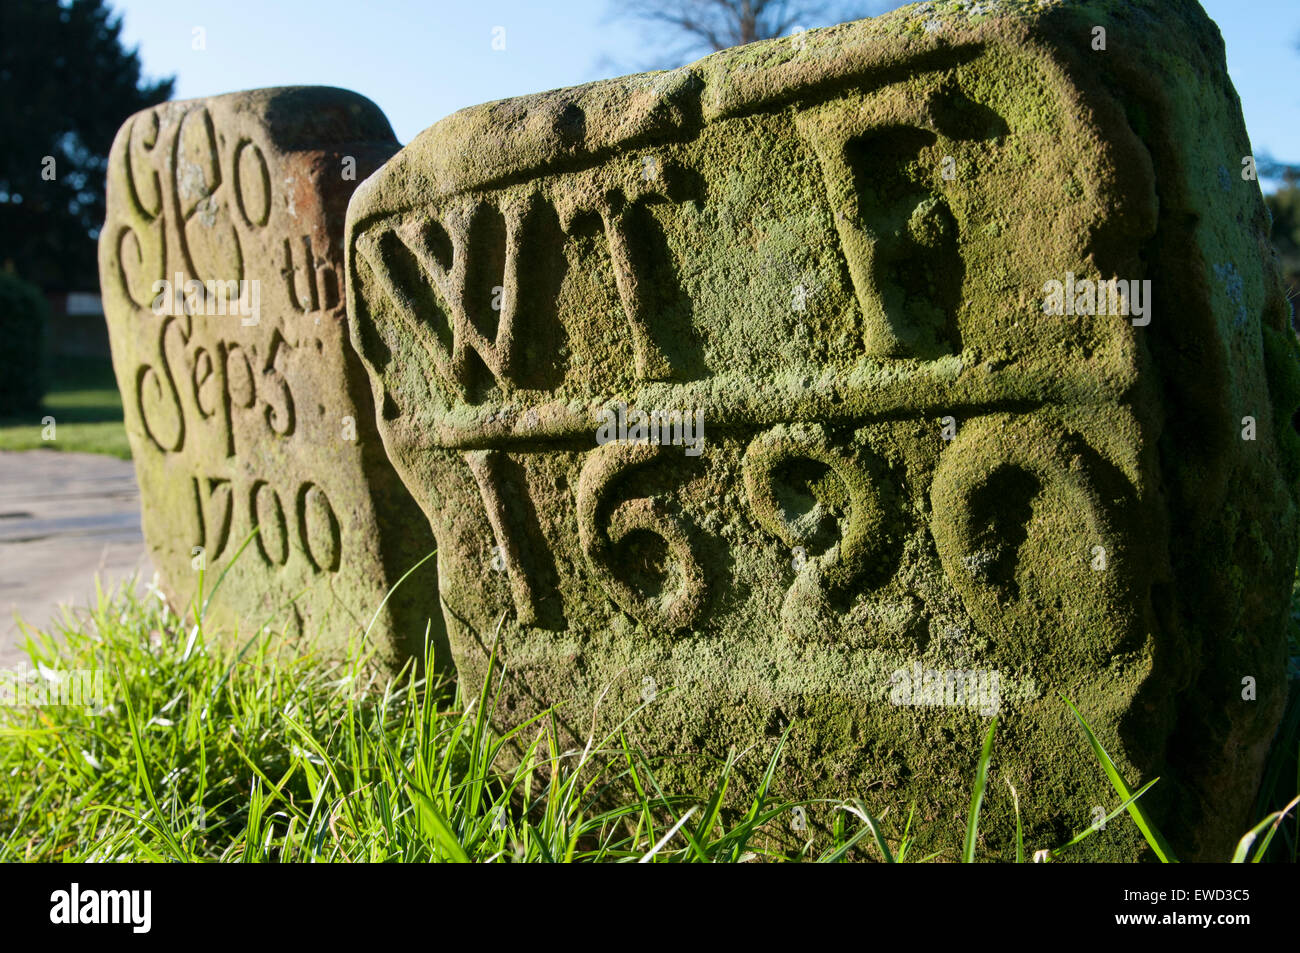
{"type": "Point", "coordinates": [977, 798]}
{"type": "Point", "coordinates": [1275, 819]}
{"type": "Point", "coordinates": [1148, 829]}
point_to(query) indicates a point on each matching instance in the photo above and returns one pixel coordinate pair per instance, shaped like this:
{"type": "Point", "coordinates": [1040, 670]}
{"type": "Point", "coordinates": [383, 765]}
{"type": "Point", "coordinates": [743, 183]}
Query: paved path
{"type": "Point", "coordinates": [63, 518]}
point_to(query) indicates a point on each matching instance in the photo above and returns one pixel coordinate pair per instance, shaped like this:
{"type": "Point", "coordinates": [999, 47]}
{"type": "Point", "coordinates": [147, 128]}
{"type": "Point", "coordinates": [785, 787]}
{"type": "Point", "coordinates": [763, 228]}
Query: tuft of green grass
{"type": "Point", "coordinates": [208, 747]}
{"type": "Point", "coordinates": [87, 409]}
{"type": "Point", "coordinates": [1250, 848]}
{"type": "Point", "coordinates": [210, 750]}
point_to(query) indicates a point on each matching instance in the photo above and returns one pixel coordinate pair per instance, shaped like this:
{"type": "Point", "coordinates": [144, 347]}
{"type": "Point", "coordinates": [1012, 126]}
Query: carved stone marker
{"type": "Point", "coordinates": [221, 265]}
{"type": "Point", "coordinates": [750, 393]}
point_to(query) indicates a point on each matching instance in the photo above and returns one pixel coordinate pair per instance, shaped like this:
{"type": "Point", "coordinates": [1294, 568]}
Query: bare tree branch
{"type": "Point", "coordinates": [700, 26]}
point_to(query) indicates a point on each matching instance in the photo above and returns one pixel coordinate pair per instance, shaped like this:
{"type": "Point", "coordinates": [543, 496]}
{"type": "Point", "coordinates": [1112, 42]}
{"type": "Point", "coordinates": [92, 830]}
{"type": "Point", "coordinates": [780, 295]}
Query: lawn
{"type": "Point", "coordinates": [87, 412]}
{"type": "Point", "coordinates": [202, 749]}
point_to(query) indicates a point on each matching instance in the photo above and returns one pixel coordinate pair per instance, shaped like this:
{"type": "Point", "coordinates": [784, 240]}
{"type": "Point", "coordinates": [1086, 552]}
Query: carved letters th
{"type": "Point", "coordinates": [221, 266]}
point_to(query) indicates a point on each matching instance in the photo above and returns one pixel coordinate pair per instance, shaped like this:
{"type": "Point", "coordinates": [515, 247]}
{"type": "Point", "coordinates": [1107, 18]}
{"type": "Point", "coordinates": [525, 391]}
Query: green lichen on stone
{"type": "Point", "coordinates": [837, 247]}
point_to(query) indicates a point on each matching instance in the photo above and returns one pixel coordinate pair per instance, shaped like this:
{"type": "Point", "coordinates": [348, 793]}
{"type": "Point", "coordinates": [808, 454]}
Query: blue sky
{"type": "Point", "coordinates": [420, 60]}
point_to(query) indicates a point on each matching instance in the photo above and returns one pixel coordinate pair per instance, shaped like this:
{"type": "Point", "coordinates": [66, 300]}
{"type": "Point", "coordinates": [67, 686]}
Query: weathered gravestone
{"type": "Point", "coordinates": [739, 391]}
{"type": "Point", "coordinates": [222, 273]}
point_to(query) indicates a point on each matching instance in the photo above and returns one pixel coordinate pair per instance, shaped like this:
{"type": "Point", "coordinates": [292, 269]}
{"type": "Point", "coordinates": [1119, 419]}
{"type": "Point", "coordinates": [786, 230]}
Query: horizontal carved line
{"type": "Point", "coordinates": [734, 403]}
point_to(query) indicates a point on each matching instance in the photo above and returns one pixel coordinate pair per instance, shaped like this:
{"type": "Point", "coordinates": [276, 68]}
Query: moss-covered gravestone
{"type": "Point", "coordinates": [221, 264]}
{"type": "Point", "coordinates": [780, 390]}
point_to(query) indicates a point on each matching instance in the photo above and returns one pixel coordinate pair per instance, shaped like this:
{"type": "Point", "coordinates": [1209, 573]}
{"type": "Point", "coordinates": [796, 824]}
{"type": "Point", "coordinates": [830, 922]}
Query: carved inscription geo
{"type": "Point", "coordinates": [251, 426]}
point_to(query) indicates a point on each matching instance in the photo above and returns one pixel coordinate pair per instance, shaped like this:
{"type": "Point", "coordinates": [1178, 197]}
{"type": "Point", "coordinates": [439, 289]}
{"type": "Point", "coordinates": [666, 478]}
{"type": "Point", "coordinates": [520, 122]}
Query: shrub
{"type": "Point", "coordinates": [24, 317]}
